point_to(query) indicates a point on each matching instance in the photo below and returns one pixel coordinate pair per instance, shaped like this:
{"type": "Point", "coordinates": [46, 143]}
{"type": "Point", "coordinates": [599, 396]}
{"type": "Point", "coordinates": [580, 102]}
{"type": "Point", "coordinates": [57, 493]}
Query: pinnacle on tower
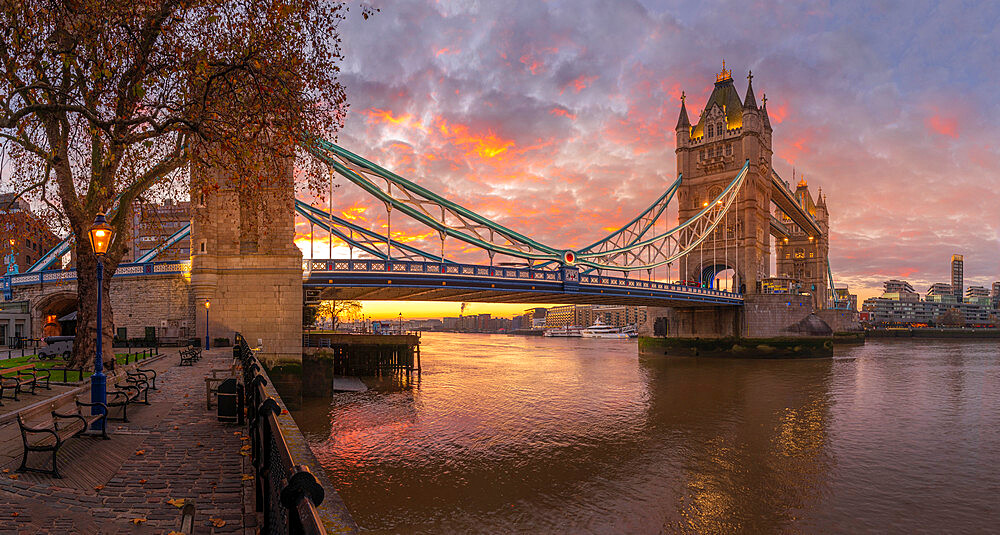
{"type": "Point", "coordinates": [750, 101]}
{"type": "Point", "coordinates": [763, 109]}
{"type": "Point", "coordinates": [682, 121]}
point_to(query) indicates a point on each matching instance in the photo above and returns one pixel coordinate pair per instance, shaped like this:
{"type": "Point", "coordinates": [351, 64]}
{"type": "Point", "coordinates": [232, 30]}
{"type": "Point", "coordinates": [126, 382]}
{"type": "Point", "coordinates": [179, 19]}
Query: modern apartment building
{"type": "Point", "coordinates": [957, 276]}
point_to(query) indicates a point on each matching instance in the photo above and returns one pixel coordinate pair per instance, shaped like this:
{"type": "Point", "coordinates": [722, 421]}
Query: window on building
{"type": "Point", "coordinates": [729, 149]}
{"type": "Point", "coordinates": [711, 130]}
{"type": "Point", "coordinates": [719, 129]}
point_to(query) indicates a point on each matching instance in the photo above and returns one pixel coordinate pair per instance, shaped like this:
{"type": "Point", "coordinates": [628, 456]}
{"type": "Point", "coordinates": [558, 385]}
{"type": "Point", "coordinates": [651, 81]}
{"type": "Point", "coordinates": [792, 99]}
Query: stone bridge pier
{"type": "Point", "coordinates": [767, 325]}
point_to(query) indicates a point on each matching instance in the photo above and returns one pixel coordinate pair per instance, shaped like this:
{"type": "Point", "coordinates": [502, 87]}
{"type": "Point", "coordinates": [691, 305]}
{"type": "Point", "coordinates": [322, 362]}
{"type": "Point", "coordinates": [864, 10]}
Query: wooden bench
{"type": "Point", "coordinates": [17, 378]}
{"type": "Point", "coordinates": [128, 389]}
{"type": "Point", "coordinates": [190, 355]}
{"type": "Point", "coordinates": [48, 427]}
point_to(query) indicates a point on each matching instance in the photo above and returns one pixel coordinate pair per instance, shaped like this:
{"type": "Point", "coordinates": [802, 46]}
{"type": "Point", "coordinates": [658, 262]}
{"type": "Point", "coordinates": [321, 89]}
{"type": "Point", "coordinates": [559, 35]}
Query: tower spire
{"type": "Point", "coordinates": [750, 101]}
{"type": "Point", "coordinates": [763, 109]}
{"type": "Point", "coordinates": [682, 120]}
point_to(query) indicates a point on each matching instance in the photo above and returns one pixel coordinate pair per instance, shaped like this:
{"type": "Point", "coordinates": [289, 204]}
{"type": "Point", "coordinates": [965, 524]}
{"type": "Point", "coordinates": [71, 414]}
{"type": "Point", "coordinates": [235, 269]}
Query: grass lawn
{"type": "Point", "coordinates": [56, 366]}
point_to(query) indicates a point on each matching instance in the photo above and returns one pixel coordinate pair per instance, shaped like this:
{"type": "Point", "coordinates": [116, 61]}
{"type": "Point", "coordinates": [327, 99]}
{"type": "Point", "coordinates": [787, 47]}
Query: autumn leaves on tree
{"type": "Point", "coordinates": [105, 101]}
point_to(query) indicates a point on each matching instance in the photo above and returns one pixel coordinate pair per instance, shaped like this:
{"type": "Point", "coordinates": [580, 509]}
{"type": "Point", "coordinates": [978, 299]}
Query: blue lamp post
{"type": "Point", "coordinates": [100, 234]}
{"type": "Point", "coordinates": [207, 304]}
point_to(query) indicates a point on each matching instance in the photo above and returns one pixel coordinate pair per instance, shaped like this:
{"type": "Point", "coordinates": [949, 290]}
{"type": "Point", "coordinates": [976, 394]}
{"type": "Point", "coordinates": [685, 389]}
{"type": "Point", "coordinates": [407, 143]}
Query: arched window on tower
{"type": "Point", "coordinates": [711, 130]}
{"type": "Point", "coordinates": [719, 129]}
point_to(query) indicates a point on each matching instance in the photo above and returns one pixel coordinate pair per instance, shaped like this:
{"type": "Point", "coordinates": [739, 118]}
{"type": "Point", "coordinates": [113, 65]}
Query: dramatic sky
{"type": "Point", "coordinates": [556, 118]}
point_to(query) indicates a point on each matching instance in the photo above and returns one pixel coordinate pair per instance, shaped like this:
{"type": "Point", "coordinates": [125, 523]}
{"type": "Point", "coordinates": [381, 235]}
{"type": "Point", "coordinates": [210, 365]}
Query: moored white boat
{"type": "Point", "coordinates": [602, 330]}
{"type": "Point", "coordinates": [571, 331]}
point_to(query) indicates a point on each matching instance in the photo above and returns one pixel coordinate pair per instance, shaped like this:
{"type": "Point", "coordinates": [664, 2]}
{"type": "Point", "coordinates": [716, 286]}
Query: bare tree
{"type": "Point", "coordinates": [100, 100]}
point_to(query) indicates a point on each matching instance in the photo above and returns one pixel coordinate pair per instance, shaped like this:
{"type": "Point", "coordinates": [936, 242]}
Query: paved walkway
{"type": "Point", "coordinates": [171, 450]}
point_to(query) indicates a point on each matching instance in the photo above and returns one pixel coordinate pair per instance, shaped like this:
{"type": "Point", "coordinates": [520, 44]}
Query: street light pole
{"type": "Point", "coordinates": [100, 238]}
{"type": "Point", "coordinates": [206, 324]}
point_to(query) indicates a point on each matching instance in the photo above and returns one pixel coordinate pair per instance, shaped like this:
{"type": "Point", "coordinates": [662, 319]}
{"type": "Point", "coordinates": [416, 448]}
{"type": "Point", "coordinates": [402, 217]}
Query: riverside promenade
{"type": "Point", "coordinates": [173, 449]}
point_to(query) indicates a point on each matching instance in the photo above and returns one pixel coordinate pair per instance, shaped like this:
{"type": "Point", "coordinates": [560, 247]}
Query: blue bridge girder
{"type": "Point", "coordinates": [381, 280]}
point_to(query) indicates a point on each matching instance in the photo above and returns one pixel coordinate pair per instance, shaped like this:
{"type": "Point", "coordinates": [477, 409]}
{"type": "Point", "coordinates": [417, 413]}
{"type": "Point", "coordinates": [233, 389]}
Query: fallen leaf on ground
{"type": "Point", "coordinates": [217, 522]}
{"type": "Point", "coordinates": [177, 502]}
{"type": "Point", "coordinates": [176, 427]}
{"type": "Point", "coordinates": [142, 481]}
{"type": "Point", "coordinates": [140, 452]}
{"type": "Point", "coordinates": [6, 470]}
{"type": "Point", "coordinates": [138, 521]}
{"type": "Point", "coordinates": [237, 433]}
{"type": "Point", "coordinates": [247, 477]}
{"type": "Point", "coordinates": [244, 453]}
{"type": "Point", "coordinates": [99, 487]}
{"type": "Point", "coordinates": [15, 514]}
{"type": "Point", "coordinates": [245, 447]}
{"type": "Point", "coordinates": [244, 438]}
{"type": "Point", "coordinates": [13, 476]}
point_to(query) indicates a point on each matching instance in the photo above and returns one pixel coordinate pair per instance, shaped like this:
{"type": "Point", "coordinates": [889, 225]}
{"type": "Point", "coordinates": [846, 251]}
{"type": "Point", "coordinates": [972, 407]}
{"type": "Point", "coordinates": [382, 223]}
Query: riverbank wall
{"type": "Point", "coordinates": [932, 333]}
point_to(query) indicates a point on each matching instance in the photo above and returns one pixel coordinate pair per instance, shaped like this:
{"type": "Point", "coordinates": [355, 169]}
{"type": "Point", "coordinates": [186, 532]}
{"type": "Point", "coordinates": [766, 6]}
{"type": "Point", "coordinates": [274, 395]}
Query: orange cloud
{"type": "Point", "coordinates": [946, 126]}
{"type": "Point", "coordinates": [486, 146]}
{"type": "Point", "coordinates": [778, 113]}
{"type": "Point", "coordinates": [444, 51]}
{"type": "Point", "coordinates": [562, 112]}
{"type": "Point", "coordinates": [376, 115]}
{"type": "Point", "coordinates": [579, 84]}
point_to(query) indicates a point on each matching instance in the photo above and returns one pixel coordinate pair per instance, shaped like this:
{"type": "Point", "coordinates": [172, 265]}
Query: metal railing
{"type": "Point", "coordinates": [287, 493]}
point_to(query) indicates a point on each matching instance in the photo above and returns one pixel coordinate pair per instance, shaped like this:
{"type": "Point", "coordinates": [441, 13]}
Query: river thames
{"type": "Point", "coordinates": [508, 434]}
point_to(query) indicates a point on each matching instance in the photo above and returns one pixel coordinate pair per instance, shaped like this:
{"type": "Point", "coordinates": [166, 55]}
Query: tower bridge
{"type": "Point", "coordinates": [708, 275]}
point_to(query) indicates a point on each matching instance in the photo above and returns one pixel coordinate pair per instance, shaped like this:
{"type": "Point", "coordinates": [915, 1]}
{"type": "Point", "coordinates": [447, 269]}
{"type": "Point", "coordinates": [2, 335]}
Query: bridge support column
{"type": "Point", "coordinates": [244, 260]}
{"type": "Point", "coordinates": [766, 326]}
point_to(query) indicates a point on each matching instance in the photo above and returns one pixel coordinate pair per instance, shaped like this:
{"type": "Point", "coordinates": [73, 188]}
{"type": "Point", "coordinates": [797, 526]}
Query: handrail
{"type": "Point", "coordinates": [287, 494]}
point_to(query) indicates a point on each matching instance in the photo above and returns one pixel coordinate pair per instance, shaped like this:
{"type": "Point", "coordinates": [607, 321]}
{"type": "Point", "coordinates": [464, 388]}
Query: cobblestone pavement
{"type": "Point", "coordinates": [184, 454]}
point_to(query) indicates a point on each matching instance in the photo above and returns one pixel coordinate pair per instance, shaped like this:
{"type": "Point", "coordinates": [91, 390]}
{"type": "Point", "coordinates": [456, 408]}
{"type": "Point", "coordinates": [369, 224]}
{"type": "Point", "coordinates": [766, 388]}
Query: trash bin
{"type": "Point", "coordinates": [228, 404]}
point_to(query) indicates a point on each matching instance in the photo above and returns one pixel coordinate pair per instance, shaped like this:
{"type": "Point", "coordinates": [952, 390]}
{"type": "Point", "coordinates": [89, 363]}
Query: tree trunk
{"type": "Point", "coordinates": [85, 345]}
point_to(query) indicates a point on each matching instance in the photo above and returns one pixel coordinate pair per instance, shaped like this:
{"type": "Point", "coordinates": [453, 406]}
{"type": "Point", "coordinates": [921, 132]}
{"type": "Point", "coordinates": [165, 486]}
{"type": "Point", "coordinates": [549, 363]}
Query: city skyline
{"type": "Point", "coordinates": [550, 120]}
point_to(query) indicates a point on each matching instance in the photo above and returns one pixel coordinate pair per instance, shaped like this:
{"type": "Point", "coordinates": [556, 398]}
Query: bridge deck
{"type": "Point", "coordinates": [378, 280]}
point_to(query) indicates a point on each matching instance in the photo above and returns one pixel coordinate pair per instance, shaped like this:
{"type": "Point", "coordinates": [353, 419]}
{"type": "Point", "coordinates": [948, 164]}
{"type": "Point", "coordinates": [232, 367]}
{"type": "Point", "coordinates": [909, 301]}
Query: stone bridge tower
{"type": "Point", "coordinates": [803, 256]}
{"type": "Point", "coordinates": [710, 153]}
{"type": "Point", "coordinates": [245, 262]}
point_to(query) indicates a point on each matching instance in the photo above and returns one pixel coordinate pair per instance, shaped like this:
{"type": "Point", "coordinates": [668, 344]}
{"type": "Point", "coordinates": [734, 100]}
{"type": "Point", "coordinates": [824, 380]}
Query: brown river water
{"type": "Point", "coordinates": [508, 434]}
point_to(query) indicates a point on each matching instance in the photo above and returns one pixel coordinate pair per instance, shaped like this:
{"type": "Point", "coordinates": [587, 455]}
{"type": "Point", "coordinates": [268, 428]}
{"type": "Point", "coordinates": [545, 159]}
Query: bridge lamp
{"type": "Point", "coordinates": [100, 235]}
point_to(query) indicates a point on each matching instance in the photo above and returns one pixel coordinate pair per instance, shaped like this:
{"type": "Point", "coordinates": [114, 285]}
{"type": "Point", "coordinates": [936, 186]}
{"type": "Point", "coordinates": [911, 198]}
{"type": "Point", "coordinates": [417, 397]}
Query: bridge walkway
{"type": "Point", "coordinates": [172, 449]}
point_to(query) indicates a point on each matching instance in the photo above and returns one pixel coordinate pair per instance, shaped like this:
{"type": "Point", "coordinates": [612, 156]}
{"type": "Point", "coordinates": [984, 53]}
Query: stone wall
{"type": "Point", "coordinates": [761, 316]}
{"type": "Point", "coordinates": [693, 322]}
{"type": "Point", "coordinates": [770, 315]}
{"type": "Point", "coordinates": [159, 301]}
{"type": "Point", "coordinates": [841, 320]}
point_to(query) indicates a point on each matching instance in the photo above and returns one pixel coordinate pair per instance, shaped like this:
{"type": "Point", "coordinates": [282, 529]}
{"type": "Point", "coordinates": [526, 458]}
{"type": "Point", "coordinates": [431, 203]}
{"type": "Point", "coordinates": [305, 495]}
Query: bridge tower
{"type": "Point", "coordinates": [803, 256]}
{"type": "Point", "coordinates": [710, 152]}
{"type": "Point", "coordinates": [245, 262]}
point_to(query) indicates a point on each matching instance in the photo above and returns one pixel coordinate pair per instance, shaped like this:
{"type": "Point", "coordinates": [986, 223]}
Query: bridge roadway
{"type": "Point", "coordinates": [380, 280]}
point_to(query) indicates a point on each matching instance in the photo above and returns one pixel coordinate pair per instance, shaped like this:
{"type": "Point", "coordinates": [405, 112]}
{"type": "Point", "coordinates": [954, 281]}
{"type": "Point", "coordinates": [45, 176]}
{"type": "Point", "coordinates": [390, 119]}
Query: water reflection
{"type": "Point", "coordinates": [531, 435]}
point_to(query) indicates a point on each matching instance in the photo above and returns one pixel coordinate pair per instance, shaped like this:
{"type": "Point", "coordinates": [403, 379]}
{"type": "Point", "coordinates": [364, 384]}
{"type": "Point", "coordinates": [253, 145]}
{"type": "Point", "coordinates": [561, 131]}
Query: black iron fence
{"type": "Point", "coordinates": [286, 493]}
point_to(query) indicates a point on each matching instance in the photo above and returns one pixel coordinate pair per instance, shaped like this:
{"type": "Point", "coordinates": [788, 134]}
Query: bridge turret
{"type": "Point", "coordinates": [683, 127]}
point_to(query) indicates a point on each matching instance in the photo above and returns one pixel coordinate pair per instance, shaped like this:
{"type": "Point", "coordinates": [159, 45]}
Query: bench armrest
{"type": "Point", "coordinates": [27, 429]}
{"type": "Point", "coordinates": [98, 404]}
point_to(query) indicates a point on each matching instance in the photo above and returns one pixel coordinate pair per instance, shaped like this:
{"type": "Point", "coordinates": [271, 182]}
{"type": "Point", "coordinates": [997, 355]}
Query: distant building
{"type": "Point", "coordinates": [957, 276]}
{"type": "Point", "coordinates": [978, 295]}
{"type": "Point", "coordinates": [152, 224]}
{"type": "Point", "coordinates": [941, 292]}
{"type": "Point", "coordinates": [899, 291]}
{"type": "Point", "coordinates": [25, 237]}
{"type": "Point", "coordinates": [844, 295]}
{"type": "Point", "coordinates": [995, 296]}
{"type": "Point", "coordinates": [534, 318]}
{"type": "Point", "coordinates": [567, 315]}
{"type": "Point", "coordinates": [900, 306]}
{"type": "Point", "coordinates": [620, 315]}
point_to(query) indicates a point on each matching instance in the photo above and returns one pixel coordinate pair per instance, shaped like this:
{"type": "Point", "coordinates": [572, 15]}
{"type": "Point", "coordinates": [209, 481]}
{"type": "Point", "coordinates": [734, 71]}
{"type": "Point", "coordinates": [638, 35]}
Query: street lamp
{"type": "Point", "coordinates": [100, 235]}
{"type": "Point", "coordinates": [207, 304]}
